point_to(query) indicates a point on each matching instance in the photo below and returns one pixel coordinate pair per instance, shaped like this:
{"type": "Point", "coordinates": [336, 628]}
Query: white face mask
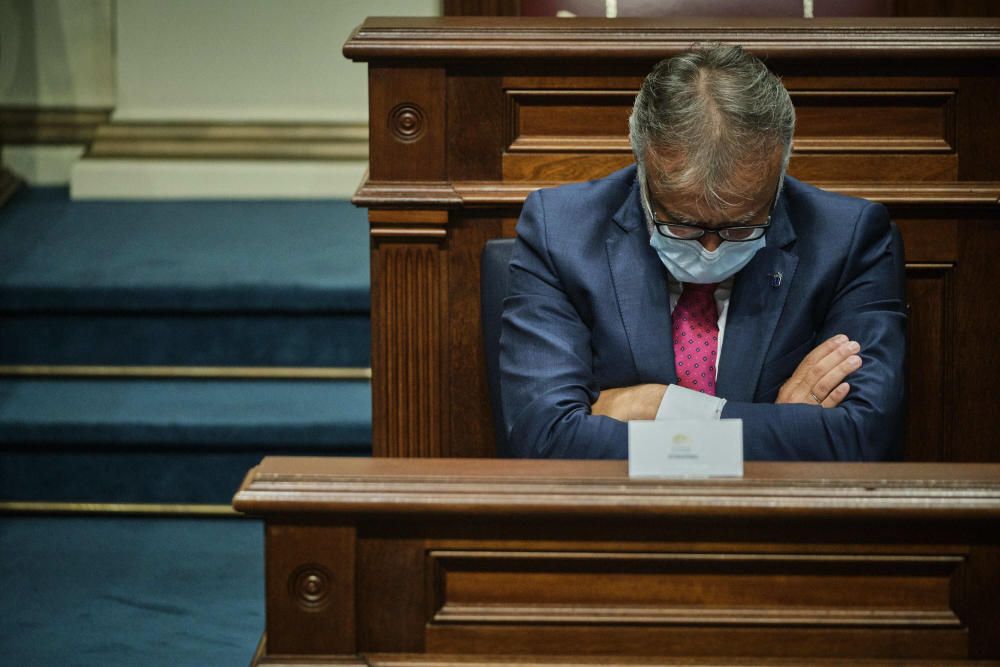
{"type": "Point", "coordinates": [689, 262]}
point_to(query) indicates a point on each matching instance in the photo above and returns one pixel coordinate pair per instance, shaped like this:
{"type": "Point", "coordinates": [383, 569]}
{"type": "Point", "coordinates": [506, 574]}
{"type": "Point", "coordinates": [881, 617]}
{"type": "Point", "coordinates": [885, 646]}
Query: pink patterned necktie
{"type": "Point", "coordinates": [696, 337]}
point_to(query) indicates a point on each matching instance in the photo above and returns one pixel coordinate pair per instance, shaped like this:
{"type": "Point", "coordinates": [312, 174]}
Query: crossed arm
{"type": "Point", "coordinates": [820, 376]}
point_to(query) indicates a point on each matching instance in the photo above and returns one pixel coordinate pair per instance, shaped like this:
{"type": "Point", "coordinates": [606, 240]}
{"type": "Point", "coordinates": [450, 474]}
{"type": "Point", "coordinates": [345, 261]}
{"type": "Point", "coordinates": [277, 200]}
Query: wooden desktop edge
{"type": "Point", "coordinates": [581, 488]}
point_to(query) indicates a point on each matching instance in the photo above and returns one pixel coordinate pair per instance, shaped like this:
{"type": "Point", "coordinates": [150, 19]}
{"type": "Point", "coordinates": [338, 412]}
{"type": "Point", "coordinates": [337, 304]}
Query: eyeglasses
{"type": "Point", "coordinates": [691, 231]}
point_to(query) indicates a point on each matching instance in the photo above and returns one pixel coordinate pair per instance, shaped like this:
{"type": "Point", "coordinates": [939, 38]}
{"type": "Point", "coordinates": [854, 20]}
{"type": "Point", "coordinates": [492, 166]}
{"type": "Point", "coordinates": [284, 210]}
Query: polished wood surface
{"type": "Point", "coordinates": [453, 557]}
{"type": "Point", "coordinates": [469, 115]}
{"type": "Point", "coordinates": [730, 8]}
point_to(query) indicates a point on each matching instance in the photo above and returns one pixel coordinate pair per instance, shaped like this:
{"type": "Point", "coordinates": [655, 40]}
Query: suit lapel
{"type": "Point", "coordinates": [640, 284]}
{"type": "Point", "coordinates": [754, 309]}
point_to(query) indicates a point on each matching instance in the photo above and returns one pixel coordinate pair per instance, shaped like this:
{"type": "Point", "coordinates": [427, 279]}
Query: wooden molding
{"type": "Point", "coordinates": [224, 141]}
{"type": "Point", "coordinates": [649, 38]}
{"type": "Point", "coordinates": [740, 616]}
{"type": "Point", "coordinates": [587, 488]}
{"type": "Point", "coordinates": [396, 194]}
{"type": "Point", "coordinates": [409, 216]}
{"type": "Point", "coordinates": [957, 193]}
{"type": "Point", "coordinates": [408, 223]}
{"type": "Point", "coordinates": [42, 125]}
{"type": "Point", "coordinates": [405, 232]}
{"type": "Point", "coordinates": [500, 193]}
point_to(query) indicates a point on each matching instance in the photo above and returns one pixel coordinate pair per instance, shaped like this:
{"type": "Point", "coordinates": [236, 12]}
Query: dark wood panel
{"type": "Point", "coordinates": [310, 588]}
{"type": "Point", "coordinates": [915, 168]}
{"type": "Point", "coordinates": [475, 139]}
{"type": "Point", "coordinates": [975, 326]}
{"type": "Point", "coordinates": [929, 362]}
{"type": "Point", "coordinates": [831, 120]}
{"type": "Point", "coordinates": [693, 641]}
{"type": "Point", "coordinates": [561, 167]}
{"type": "Point", "coordinates": [392, 611]}
{"type": "Point", "coordinates": [406, 108]}
{"type": "Point", "coordinates": [926, 239]}
{"type": "Point", "coordinates": [703, 589]}
{"type": "Point", "coordinates": [468, 410]}
{"type": "Point", "coordinates": [877, 121]}
{"type": "Point", "coordinates": [972, 596]}
{"type": "Point", "coordinates": [577, 81]}
{"type": "Point", "coordinates": [571, 113]}
{"type": "Point", "coordinates": [978, 129]}
{"type": "Point", "coordinates": [804, 80]}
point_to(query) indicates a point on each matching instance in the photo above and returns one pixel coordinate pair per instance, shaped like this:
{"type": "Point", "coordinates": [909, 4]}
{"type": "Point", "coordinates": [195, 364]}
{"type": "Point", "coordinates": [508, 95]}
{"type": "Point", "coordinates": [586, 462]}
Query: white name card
{"type": "Point", "coordinates": [685, 448]}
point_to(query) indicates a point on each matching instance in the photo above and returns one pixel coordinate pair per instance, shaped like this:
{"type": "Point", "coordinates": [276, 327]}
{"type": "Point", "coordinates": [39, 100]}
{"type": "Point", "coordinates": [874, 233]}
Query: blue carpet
{"type": "Point", "coordinates": [130, 591]}
{"type": "Point", "coordinates": [182, 255]}
{"type": "Point", "coordinates": [303, 413]}
{"type": "Point", "coordinates": [186, 339]}
{"type": "Point", "coordinates": [177, 441]}
{"type": "Point", "coordinates": [206, 283]}
{"type": "Point", "coordinates": [121, 475]}
{"type": "Point", "coordinates": [176, 283]}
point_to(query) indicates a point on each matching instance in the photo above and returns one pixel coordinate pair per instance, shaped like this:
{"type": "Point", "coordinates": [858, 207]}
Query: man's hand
{"type": "Point", "coordinates": [819, 378]}
{"type": "Point", "coordinates": [628, 403]}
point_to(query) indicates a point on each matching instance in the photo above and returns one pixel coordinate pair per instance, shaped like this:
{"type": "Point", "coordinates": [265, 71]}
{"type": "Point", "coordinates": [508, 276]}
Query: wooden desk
{"type": "Point", "coordinates": [469, 115]}
{"type": "Point", "coordinates": [402, 559]}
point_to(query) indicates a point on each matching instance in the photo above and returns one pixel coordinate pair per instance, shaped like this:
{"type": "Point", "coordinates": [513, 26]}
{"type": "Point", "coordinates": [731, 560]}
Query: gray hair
{"type": "Point", "coordinates": [718, 108]}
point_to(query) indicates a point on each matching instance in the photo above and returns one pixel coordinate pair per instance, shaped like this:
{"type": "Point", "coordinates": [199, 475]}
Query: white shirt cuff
{"type": "Point", "coordinates": [682, 403]}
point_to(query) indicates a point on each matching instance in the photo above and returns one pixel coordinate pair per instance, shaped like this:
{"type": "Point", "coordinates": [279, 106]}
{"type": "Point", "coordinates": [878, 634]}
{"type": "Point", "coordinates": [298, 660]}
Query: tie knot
{"type": "Point", "coordinates": [700, 288]}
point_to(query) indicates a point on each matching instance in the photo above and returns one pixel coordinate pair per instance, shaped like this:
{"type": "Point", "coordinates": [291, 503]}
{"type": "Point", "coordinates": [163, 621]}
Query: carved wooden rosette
{"type": "Point", "coordinates": [310, 580]}
{"type": "Point", "coordinates": [469, 116]}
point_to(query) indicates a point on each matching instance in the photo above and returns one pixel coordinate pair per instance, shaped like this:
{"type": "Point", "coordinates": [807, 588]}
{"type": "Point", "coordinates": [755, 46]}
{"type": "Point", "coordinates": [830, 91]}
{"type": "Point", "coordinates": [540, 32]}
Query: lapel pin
{"type": "Point", "coordinates": [775, 279]}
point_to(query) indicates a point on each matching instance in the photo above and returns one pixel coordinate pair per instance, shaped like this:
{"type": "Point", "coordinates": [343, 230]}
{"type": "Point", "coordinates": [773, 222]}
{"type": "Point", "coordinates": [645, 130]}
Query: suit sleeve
{"type": "Point", "coordinates": [546, 366]}
{"type": "Point", "coordinates": [868, 306]}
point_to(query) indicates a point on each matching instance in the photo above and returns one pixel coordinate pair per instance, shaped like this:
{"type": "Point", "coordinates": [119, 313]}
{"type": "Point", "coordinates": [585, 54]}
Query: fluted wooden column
{"type": "Point", "coordinates": [409, 301]}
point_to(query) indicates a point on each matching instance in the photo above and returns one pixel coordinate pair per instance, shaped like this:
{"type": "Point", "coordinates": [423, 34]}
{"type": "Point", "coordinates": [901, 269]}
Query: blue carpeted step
{"type": "Point", "coordinates": [130, 591]}
{"type": "Point", "coordinates": [193, 282]}
{"type": "Point", "coordinates": [221, 339]}
{"type": "Point", "coordinates": [188, 441]}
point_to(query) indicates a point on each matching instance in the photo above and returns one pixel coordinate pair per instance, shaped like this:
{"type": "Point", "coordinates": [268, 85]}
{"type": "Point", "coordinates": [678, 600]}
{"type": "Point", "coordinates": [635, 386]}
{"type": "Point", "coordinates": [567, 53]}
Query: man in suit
{"type": "Point", "coordinates": [704, 282]}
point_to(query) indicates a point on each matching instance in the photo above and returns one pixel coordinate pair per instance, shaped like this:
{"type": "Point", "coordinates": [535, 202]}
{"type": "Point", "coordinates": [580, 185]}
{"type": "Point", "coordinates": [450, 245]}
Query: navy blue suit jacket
{"type": "Point", "coordinates": [589, 309]}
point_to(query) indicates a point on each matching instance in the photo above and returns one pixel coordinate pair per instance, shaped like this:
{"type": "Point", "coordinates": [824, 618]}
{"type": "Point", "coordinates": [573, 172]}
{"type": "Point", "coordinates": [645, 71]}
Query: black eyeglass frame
{"type": "Point", "coordinates": [721, 231]}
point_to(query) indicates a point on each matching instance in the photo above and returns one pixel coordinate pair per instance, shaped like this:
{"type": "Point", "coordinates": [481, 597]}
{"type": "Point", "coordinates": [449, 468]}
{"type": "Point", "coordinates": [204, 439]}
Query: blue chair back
{"type": "Point", "coordinates": [494, 281]}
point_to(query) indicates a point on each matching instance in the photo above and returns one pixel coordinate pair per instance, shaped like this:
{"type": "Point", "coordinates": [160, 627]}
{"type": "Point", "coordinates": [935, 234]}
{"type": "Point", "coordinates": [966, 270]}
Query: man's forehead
{"type": "Point", "coordinates": [746, 186]}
